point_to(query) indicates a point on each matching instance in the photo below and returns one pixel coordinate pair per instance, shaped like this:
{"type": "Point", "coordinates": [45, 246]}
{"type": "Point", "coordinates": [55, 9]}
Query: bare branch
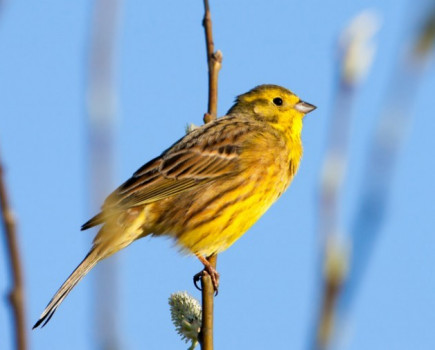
{"type": "Point", "coordinates": [206, 335]}
{"type": "Point", "coordinates": [214, 60]}
{"type": "Point", "coordinates": [16, 294]}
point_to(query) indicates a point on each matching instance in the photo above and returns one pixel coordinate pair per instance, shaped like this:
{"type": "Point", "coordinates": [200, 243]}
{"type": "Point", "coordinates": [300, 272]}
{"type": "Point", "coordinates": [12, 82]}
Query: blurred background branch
{"type": "Point", "coordinates": [356, 52]}
{"type": "Point", "coordinates": [343, 272]}
{"type": "Point", "coordinates": [102, 111]}
{"type": "Point", "coordinates": [16, 293]}
{"type": "Point", "coordinates": [394, 122]}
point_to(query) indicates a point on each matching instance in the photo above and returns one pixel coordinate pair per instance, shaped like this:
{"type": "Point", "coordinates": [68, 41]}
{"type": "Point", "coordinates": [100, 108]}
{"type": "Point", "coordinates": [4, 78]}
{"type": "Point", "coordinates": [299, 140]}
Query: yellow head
{"type": "Point", "coordinates": [271, 103]}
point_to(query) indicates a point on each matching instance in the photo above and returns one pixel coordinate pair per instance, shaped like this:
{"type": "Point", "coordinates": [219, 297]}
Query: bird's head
{"type": "Point", "coordinates": [272, 103]}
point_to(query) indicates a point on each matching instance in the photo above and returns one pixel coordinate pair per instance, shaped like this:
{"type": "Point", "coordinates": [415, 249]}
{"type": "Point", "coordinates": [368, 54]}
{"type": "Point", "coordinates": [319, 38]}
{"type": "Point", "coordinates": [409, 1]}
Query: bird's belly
{"type": "Point", "coordinates": [212, 219]}
{"type": "Point", "coordinates": [223, 229]}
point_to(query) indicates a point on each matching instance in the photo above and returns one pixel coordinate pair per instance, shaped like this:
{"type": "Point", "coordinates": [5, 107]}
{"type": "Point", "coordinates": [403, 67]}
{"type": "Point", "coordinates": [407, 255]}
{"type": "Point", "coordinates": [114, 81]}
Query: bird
{"type": "Point", "coordinates": [208, 188]}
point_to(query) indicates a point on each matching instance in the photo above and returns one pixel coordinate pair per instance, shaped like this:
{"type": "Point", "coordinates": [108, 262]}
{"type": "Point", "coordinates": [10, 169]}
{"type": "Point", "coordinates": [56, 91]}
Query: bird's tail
{"type": "Point", "coordinates": [85, 266]}
{"type": "Point", "coordinates": [112, 237]}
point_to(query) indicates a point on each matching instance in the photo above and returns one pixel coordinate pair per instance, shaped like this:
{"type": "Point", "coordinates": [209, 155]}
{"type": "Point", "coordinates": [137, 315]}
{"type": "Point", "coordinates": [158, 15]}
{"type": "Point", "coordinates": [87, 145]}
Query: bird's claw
{"type": "Point", "coordinates": [196, 279]}
{"type": "Point", "coordinates": [214, 275]}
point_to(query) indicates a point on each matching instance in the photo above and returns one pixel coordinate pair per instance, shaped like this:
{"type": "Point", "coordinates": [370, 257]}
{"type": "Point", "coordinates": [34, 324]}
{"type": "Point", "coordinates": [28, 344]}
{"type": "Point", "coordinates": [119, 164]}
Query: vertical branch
{"type": "Point", "coordinates": [340, 287]}
{"type": "Point", "coordinates": [392, 126]}
{"type": "Point", "coordinates": [356, 53]}
{"type": "Point", "coordinates": [206, 335]}
{"type": "Point", "coordinates": [214, 61]}
{"type": "Point", "coordinates": [16, 294]}
{"type": "Point", "coordinates": [102, 109]}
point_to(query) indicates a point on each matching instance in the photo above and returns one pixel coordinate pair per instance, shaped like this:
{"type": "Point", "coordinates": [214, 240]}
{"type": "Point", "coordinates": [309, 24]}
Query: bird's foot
{"type": "Point", "coordinates": [207, 271]}
{"type": "Point", "coordinates": [214, 275]}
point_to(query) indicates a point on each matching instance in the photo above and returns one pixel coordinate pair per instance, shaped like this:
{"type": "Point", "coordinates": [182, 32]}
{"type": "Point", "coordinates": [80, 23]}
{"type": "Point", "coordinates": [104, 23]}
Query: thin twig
{"type": "Point", "coordinates": [214, 60]}
{"type": "Point", "coordinates": [16, 294]}
{"type": "Point", "coordinates": [208, 292]}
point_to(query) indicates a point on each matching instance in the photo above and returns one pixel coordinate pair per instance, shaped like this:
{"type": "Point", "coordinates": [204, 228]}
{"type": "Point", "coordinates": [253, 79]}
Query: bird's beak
{"type": "Point", "coordinates": [304, 107]}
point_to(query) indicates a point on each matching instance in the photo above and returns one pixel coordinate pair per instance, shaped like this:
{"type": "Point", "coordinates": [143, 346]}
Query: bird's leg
{"type": "Point", "coordinates": [208, 269]}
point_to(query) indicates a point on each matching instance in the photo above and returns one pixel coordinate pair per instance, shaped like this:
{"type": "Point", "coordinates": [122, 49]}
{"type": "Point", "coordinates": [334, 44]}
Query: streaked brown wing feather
{"type": "Point", "coordinates": [202, 156]}
{"type": "Point", "coordinates": [173, 175]}
{"type": "Point", "coordinates": [177, 170]}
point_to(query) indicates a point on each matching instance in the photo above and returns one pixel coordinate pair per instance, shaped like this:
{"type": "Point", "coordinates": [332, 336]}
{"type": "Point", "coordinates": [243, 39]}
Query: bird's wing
{"type": "Point", "coordinates": [200, 157]}
{"type": "Point", "coordinates": [173, 173]}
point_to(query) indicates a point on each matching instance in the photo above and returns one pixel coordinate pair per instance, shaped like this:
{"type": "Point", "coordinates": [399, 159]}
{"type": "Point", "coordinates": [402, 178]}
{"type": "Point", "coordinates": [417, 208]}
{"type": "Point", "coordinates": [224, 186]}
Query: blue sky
{"type": "Point", "coordinates": [268, 289]}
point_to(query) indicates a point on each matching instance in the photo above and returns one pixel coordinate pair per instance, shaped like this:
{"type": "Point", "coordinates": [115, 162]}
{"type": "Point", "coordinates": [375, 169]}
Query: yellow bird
{"type": "Point", "coordinates": [208, 188]}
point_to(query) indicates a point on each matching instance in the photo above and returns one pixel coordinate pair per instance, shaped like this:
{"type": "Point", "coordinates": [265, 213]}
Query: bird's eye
{"type": "Point", "coordinates": [277, 101]}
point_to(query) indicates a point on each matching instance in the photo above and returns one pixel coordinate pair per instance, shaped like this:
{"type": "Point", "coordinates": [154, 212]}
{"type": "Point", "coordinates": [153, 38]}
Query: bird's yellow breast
{"type": "Point", "coordinates": [211, 219]}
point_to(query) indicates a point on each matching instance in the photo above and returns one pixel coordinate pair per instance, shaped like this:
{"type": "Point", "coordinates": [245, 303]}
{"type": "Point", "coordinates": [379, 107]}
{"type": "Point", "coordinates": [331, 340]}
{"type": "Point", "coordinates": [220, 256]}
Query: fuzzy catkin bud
{"type": "Point", "coordinates": [186, 314]}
